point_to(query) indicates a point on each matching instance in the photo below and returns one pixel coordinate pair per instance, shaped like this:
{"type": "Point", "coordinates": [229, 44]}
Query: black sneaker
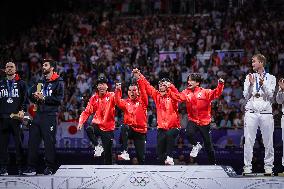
{"type": "Point", "coordinates": [48, 171]}
{"type": "Point", "coordinates": [20, 172]}
{"type": "Point", "coordinates": [3, 171]}
{"type": "Point", "coordinates": [30, 171]}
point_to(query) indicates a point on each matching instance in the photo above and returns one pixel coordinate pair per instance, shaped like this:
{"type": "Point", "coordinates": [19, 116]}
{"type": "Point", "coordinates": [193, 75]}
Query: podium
{"type": "Point", "coordinates": [142, 176]}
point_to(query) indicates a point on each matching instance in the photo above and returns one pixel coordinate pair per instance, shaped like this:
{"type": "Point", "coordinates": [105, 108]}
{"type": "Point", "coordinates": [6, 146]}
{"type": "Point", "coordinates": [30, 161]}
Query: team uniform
{"type": "Point", "coordinates": [168, 121]}
{"type": "Point", "coordinates": [103, 109]}
{"type": "Point", "coordinates": [44, 124]}
{"type": "Point", "coordinates": [198, 105]}
{"type": "Point", "coordinates": [258, 113]}
{"type": "Point", "coordinates": [13, 98]}
{"type": "Point", "coordinates": [135, 123]}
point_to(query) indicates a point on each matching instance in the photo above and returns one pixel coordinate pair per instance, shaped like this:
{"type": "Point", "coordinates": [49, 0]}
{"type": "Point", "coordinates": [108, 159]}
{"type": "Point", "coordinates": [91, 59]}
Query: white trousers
{"type": "Point", "coordinates": [266, 124]}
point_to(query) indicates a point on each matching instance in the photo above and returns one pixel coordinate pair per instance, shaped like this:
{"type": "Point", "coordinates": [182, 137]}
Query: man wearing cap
{"type": "Point", "coordinates": [258, 91]}
{"type": "Point", "coordinates": [167, 117]}
{"type": "Point", "coordinates": [280, 100]}
{"type": "Point", "coordinates": [102, 105]}
{"type": "Point", "coordinates": [13, 99]}
{"type": "Point", "coordinates": [48, 95]}
{"type": "Point", "coordinates": [135, 120]}
{"type": "Point", "coordinates": [198, 104]}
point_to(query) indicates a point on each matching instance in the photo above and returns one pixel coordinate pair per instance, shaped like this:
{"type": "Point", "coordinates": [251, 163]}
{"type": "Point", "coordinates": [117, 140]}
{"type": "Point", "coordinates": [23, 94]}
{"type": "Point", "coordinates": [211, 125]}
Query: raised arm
{"type": "Point", "coordinates": [117, 98]}
{"type": "Point", "coordinates": [143, 95]}
{"type": "Point", "coordinates": [175, 94]}
{"type": "Point", "coordinates": [216, 93]}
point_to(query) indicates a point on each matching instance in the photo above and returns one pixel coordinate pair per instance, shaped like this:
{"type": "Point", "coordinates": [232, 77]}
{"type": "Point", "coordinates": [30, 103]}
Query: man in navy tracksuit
{"type": "Point", "coordinates": [13, 96]}
{"type": "Point", "coordinates": [43, 127]}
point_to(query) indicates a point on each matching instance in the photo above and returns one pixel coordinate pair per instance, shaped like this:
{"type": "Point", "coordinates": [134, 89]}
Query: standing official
{"type": "Point", "coordinates": [44, 125]}
{"type": "Point", "coordinates": [258, 91]}
{"type": "Point", "coordinates": [13, 96]}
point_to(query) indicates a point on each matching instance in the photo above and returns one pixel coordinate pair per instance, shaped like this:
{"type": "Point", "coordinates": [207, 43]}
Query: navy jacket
{"type": "Point", "coordinates": [53, 90]}
{"type": "Point", "coordinates": [13, 96]}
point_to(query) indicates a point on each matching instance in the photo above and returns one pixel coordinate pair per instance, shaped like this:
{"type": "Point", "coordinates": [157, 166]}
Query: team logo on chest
{"type": "Point", "coordinates": [199, 95]}
{"type": "Point", "coordinates": [10, 100]}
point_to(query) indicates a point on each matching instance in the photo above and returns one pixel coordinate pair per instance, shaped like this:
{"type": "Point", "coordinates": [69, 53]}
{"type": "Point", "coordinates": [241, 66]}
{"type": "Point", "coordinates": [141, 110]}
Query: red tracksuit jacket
{"type": "Point", "coordinates": [167, 107]}
{"type": "Point", "coordinates": [135, 111]}
{"type": "Point", "coordinates": [198, 102]}
{"type": "Point", "coordinates": [104, 110]}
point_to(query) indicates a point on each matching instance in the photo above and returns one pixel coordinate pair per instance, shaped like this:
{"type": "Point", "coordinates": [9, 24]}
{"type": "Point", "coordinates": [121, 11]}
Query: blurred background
{"type": "Point", "coordinates": [172, 38]}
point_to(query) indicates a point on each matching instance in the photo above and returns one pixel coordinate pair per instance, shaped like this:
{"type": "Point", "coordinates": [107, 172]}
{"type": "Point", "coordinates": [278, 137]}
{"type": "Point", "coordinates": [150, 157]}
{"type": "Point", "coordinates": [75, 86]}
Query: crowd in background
{"type": "Point", "coordinates": [87, 44]}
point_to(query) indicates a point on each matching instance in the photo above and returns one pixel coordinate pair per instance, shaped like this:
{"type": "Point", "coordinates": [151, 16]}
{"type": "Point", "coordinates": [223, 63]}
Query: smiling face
{"type": "Point", "coordinates": [133, 92]}
{"type": "Point", "coordinates": [10, 69]}
{"type": "Point", "coordinates": [162, 86]}
{"type": "Point", "coordinates": [102, 88]}
{"type": "Point", "coordinates": [191, 84]}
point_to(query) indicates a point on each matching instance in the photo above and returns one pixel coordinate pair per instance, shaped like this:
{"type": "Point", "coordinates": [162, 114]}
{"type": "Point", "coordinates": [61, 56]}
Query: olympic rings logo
{"type": "Point", "coordinates": [139, 181]}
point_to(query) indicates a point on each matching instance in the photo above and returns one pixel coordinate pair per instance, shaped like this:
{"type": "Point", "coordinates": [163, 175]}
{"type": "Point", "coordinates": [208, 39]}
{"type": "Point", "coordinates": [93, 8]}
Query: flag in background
{"type": "Point", "coordinates": [69, 130]}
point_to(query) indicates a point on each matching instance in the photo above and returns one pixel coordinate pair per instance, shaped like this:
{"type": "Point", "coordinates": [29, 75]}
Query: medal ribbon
{"type": "Point", "coordinates": [257, 83]}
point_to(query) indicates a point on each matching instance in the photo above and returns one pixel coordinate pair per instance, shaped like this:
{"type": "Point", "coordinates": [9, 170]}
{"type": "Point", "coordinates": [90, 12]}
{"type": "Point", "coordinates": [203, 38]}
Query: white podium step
{"type": "Point", "coordinates": [146, 176]}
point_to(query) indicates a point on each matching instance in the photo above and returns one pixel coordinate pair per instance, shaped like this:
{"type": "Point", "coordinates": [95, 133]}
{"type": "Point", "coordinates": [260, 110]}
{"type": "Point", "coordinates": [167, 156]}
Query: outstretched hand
{"type": "Point", "coordinates": [136, 73]}
{"type": "Point", "coordinates": [220, 80]}
{"type": "Point", "coordinates": [118, 86]}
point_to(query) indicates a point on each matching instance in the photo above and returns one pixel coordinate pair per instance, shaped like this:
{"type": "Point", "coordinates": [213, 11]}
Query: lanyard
{"type": "Point", "coordinates": [10, 85]}
{"type": "Point", "coordinates": [257, 83]}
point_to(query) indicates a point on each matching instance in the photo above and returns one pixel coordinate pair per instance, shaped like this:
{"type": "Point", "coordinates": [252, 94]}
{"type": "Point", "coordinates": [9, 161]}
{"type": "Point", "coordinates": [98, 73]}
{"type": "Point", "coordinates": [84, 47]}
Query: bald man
{"type": "Point", "coordinates": [13, 98]}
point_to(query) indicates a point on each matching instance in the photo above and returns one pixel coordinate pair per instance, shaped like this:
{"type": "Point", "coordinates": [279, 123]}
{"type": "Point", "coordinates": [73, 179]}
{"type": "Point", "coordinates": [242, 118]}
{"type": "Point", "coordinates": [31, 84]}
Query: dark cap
{"type": "Point", "coordinates": [101, 79]}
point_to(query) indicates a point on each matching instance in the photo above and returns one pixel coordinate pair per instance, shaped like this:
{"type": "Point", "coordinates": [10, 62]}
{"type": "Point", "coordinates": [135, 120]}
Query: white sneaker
{"type": "Point", "coordinates": [169, 161]}
{"type": "Point", "coordinates": [195, 150]}
{"type": "Point", "coordinates": [247, 170]}
{"type": "Point", "coordinates": [98, 151]}
{"type": "Point", "coordinates": [268, 170]}
{"type": "Point", "coordinates": [124, 156]}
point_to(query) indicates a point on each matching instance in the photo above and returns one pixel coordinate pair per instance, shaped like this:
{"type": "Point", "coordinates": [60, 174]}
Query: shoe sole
{"type": "Point", "coordinates": [121, 158]}
{"type": "Point", "coordinates": [5, 174]}
{"type": "Point", "coordinates": [30, 174]}
{"type": "Point", "coordinates": [169, 164]}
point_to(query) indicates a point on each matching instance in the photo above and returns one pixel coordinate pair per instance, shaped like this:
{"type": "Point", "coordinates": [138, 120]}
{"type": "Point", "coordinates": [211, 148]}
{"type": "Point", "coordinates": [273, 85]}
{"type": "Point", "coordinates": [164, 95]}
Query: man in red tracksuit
{"type": "Point", "coordinates": [167, 117]}
{"type": "Point", "coordinates": [102, 105]}
{"type": "Point", "coordinates": [198, 103]}
{"type": "Point", "coordinates": [135, 120]}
